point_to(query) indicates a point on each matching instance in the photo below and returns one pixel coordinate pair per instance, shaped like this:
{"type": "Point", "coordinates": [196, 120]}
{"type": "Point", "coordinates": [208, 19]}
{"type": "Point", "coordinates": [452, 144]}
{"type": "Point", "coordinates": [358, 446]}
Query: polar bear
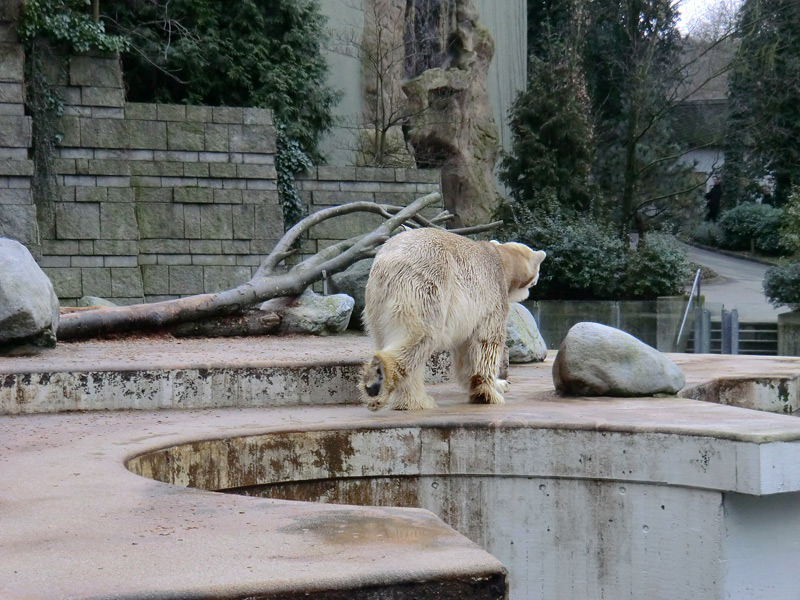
{"type": "Point", "coordinates": [431, 290]}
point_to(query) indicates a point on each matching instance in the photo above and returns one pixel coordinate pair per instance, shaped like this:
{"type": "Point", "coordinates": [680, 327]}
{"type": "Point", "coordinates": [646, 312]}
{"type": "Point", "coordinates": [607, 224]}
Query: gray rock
{"type": "Point", "coordinates": [95, 301]}
{"type": "Point", "coordinates": [28, 304]}
{"type": "Point", "coordinates": [353, 281]}
{"type": "Point", "coordinates": [524, 342]}
{"type": "Point", "coordinates": [312, 313]}
{"type": "Point", "coordinates": [597, 360]}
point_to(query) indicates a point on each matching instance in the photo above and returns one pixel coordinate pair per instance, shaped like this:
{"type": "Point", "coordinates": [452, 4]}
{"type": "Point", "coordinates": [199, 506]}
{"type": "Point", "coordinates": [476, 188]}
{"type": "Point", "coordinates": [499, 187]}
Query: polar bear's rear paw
{"type": "Point", "coordinates": [375, 403]}
{"type": "Point", "coordinates": [484, 392]}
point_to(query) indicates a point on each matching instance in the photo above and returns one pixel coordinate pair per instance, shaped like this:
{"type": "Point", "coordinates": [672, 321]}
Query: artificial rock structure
{"type": "Point", "coordinates": [453, 127]}
{"type": "Point", "coordinates": [431, 62]}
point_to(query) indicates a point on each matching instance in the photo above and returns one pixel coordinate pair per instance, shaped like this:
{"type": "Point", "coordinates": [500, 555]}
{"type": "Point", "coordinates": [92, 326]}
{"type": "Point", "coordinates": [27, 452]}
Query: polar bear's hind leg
{"type": "Point", "coordinates": [394, 378]}
{"type": "Point", "coordinates": [372, 377]}
{"type": "Point", "coordinates": [484, 354]}
{"type": "Point", "coordinates": [409, 393]}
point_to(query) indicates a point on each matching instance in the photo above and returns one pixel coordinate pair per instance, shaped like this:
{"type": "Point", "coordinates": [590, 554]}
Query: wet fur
{"type": "Point", "coordinates": [432, 290]}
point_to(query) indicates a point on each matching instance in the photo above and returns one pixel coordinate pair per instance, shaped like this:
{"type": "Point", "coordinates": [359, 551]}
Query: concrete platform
{"type": "Point", "coordinates": [656, 497]}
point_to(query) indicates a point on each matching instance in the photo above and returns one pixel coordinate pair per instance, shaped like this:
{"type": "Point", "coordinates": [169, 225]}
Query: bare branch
{"type": "Point", "coordinates": [443, 217]}
{"type": "Point", "coordinates": [284, 246]}
{"type": "Point", "coordinates": [328, 253]}
{"type": "Point", "coordinates": [477, 228]}
{"type": "Point", "coordinates": [160, 314]}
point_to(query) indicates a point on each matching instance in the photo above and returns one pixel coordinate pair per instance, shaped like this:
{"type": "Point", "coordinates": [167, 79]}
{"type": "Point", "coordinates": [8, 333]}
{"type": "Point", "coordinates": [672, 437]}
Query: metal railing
{"type": "Point", "coordinates": [695, 287]}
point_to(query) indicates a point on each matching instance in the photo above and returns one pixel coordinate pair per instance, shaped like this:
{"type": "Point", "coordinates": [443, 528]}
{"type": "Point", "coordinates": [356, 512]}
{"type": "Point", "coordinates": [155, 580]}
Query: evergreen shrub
{"type": "Point", "coordinates": [658, 268]}
{"type": "Point", "coordinates": [587, 260]}
{"type": "Point", "coordinates": [751, 223]}
{"type": "Point", "coordinates": [782, 286]}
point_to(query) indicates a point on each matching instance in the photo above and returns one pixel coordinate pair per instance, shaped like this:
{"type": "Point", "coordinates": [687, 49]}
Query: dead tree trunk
{"type": "Point", "coordinates": [265, 284]}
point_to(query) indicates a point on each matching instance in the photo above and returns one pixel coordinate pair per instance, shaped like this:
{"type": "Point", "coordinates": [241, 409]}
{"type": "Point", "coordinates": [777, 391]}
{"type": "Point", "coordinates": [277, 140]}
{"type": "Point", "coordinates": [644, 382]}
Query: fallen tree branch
{"type": "Point", "coordinates": [263, 286]}
{"type": "Point", "coordinates": [284, 247]}
{"type": "Point", "coordinates": [248, 323]}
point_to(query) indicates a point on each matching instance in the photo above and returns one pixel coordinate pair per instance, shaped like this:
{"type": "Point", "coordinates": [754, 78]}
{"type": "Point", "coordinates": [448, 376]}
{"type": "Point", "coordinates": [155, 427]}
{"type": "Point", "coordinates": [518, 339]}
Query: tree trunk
{"type": "Point", "coordinates": [250, 323]}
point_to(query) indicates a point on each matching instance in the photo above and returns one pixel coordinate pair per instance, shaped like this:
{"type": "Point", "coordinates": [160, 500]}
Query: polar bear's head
{"type": "Point", "coordinates": [521, 268]}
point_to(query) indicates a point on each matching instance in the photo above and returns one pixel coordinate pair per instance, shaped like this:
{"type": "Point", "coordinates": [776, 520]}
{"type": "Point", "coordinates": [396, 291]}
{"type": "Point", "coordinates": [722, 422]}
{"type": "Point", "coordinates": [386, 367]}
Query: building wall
{"type": "Point", "coordinates": [345, 21]}
{"type": "Point", "coordinates": [508, 23]}
{"type": "Point", "coordinates": [17, 212]}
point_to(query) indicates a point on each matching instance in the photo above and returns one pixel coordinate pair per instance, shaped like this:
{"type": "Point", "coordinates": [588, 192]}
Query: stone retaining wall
{"type": "Point", "coordinates": [17, 211]}
{"type": "Point", "coordinates": [161, 201]}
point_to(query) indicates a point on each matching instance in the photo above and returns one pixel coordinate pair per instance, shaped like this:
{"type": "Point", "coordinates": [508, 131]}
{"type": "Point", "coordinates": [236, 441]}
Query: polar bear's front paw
{"type": "Point", "coordinates": [502, 385]}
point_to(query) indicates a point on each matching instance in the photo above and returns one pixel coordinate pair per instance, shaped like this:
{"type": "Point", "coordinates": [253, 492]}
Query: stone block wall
{"type": "Point", "coordinates": [17, 210]}
{"type": "Point", "coordinates": [161, 201]}
{"type": "Point", "coordinates": [327, 186]}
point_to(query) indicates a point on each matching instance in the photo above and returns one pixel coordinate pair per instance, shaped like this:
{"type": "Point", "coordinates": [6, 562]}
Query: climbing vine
{"type": "Point", "coordinates": [289, 161]}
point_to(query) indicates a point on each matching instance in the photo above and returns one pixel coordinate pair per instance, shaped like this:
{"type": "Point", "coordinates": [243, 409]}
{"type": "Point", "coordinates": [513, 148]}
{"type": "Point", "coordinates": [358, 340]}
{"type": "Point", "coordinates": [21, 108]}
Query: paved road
{"type": "Point", "coordinates": [739, 287]}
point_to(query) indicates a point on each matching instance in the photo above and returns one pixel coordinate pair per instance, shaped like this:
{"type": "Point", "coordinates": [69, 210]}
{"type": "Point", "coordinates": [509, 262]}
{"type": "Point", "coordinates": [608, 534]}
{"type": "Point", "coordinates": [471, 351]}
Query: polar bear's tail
{"type": "Point", "coordinates": [378, 378]}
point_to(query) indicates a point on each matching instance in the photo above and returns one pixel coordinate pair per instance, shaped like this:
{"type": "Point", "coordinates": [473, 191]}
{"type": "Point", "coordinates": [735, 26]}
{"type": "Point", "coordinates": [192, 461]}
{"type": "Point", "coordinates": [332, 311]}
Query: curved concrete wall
{"type": "Point", "coordinates": [578, 514]}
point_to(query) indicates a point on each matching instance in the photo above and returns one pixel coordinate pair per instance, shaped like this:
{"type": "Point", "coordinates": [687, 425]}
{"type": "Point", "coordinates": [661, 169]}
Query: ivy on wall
{"type": "Point", "coordinates": [289, 161]}
{"type": "Point", "coordinates": [45, 25]}
{"type": "Point", "coordinates": [66, 22]}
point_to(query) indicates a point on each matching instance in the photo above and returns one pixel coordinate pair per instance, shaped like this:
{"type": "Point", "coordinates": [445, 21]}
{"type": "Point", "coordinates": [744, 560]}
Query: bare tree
{"type": "Point", "coordinates": [712, 21]}
{"type": "Point", "coordinates": [271, 280]}
{"type": "Point", "coordinates": [384, 52]}
{"type": "Point", "coordinates": [379, 47]}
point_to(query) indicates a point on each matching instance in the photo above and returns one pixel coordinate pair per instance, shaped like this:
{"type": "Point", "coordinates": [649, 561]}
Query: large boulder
{"type": "Point", "coordinates": [597, 360]}
{"type": "Point", "coordinates": [312, 313]}
{"type": "Point", "coordinates": [28, 304]}
{"type": "Point", "coordinates": [353, 282]}
{"type": "Point", "coordinates": [524, 342]}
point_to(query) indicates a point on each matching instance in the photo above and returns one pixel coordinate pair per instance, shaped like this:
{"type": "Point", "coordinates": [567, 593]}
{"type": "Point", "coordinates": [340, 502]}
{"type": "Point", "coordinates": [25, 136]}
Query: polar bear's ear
{"type": "Point", "coordinates": [495, 242]}
{"type": "Point", "coordinates": [538, 257]}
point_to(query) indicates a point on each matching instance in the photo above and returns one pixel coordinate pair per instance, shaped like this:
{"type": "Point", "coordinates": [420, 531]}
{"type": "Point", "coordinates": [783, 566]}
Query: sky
{"type": "Point", "coordinates": [689, 9]}
{"type": "Point", "coordinates": [692, 9]}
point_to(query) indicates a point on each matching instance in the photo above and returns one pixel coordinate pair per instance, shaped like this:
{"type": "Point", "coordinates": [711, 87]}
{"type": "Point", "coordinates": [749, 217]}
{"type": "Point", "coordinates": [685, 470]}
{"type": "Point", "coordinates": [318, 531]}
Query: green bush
{"type": "Point", "coordinates": [587, 260]}
{"type": "Point", "coordinates": [706, 233]}
{"type": "Point", "coordinates": [658, 268]}
{"type": "Point", "coordinates": [782, 286]}
{"type": "Point", "coordinates": [262, 53]}
{"type": "Point", "coordinates": [751, 221]}
{"type": "Point", "coordinates": [789, 230]}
